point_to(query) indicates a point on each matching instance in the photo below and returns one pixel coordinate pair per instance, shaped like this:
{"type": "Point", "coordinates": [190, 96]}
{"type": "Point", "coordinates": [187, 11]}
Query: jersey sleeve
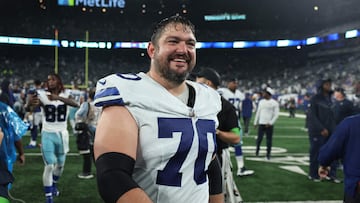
{"type": "Point", "coordinates": [108, 92]}
{"type": "Point", "coordinates": [42, 95]}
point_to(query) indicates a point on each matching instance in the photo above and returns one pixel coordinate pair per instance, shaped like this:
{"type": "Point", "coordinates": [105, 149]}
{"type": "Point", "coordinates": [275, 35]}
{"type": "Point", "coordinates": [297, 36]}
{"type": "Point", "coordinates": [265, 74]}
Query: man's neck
{"type": "Point", "coordinates": [174, 88]}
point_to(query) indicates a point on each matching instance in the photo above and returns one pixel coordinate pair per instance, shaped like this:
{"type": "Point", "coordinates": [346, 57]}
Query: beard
{"type": "Point", "coordinates": [172, 75]}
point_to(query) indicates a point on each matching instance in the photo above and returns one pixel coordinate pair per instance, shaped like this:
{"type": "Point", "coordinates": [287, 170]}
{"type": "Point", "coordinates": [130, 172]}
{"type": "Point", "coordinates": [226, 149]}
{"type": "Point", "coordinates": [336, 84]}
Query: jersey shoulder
{"type": "Point", "coordinates": [222, 90]}
{"type": "Point", "coordinates": [111, 89]}
{"type": "Point", "coordinates": [204, 94]}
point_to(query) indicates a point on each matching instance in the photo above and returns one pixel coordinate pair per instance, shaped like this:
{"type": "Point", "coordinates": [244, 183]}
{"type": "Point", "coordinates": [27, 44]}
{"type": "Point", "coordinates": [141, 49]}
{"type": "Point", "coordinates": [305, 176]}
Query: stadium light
{"type": "Point", "coordinates": [351, 34]}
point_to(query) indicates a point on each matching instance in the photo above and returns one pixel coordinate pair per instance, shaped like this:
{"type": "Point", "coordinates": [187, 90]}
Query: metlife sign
{"type": "Point", "coordinates": [93, 3]}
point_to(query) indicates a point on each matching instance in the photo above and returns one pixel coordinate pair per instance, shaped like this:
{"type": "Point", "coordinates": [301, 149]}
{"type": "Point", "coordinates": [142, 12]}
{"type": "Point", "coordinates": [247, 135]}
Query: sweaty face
{"type": "Point", "coordinates": [175, 54]}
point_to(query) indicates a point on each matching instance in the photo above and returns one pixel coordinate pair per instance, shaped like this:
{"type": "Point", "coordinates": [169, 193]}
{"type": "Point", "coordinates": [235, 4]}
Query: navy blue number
{"type": "Point", "coordinates": [203, 127]}
{"type": "Point", "coordinates": [61, 115]}
{"type": "Point", "coordinates": [234, 101]}
{"type": "Point", "coordinates": [53, 113]}
{"type": "Point", "coordinates": [171, 175]}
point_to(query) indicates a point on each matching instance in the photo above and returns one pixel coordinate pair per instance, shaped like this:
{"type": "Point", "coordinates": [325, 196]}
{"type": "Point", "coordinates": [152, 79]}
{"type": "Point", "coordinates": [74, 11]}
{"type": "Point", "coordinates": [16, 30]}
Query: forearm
{"type": "Point", "coordinates": [69, 102]}
{"type": "Point", "coordinates": [1, 136]}
{"type": "Point", "coordinates": [228, 137]}
{"type": "Point", "coordinates": [19, 147]}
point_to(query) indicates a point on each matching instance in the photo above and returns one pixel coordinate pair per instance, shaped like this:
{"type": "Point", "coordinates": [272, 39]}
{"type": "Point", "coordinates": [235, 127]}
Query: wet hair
{"type": "Point", "coordinates": [60, 83]}
{"type": "Point", "coordinates": [160, 27]}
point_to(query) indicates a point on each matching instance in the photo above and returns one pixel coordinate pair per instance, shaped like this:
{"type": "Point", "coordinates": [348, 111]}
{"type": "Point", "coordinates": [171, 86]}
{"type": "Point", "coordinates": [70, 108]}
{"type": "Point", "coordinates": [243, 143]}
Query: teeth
{"type": "Point", "coordinates": [180, 60]}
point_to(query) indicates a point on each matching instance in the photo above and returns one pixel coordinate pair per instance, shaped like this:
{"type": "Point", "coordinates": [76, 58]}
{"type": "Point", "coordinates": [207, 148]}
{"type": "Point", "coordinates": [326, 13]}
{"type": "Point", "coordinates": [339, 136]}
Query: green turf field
{"type": "Point", "coordinates": [283, 178]}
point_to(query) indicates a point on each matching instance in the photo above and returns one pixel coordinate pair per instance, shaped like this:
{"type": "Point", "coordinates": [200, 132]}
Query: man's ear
{"type": "Point", "coordinates": [209, 83]}
{"type": "Point", "coordinates": [151, 50]}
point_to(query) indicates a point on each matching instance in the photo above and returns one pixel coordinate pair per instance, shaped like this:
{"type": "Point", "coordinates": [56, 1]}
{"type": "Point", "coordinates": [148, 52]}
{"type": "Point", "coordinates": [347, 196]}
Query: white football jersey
{"type": "Point", "coordinates": [76, 94]}
{"type": "Point", "coordinates": [55, 112]}
{"type": "Point", "coordinates": [176, 142]}
{"type": "Point", "coordinates": [233, 97]}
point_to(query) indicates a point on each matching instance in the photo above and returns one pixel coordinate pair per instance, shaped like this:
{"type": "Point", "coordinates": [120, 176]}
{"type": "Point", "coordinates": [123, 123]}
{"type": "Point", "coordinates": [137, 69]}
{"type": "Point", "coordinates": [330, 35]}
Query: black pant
{"type": "Point", "coordinates": [269, 134]}
{"type": "Point", "coordinates": [350, 199]}
{"type": "Point", "coordinates": [88, 159]}
{"type": "Point", "coordinates": [246, 124]}
{"type": "Point", "coordinates": [316, 142]}
{"type": "Point", "coordinates": [5, 179]}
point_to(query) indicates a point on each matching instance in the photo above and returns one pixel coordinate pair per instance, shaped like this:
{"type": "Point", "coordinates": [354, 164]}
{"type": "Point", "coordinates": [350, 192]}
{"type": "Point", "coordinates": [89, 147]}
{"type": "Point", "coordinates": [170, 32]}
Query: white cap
{"type": "Point", "coordinates": [270, 91]}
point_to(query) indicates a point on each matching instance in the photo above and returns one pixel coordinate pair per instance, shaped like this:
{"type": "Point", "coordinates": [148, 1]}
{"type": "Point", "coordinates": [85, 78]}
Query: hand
{"type": "Point", "coordinates": [34, 100]}
{"type": "Point", "coordinates": [255, 126]}
{"type": "Point", "coordinates": [323, 171]}
{"type": "Point", "coordinates": [21, 159]}
{"type": "Point", "coordinates": [217, 131]}
{"type": "Point", "coordinates": [52, 97]}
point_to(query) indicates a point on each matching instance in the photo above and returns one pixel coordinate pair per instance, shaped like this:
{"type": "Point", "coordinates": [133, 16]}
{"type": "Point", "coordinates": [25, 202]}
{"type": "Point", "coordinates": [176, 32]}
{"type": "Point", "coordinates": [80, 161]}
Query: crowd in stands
{"type": "Point", "coordinates": [287, 71]}
{"type": "Point", "coordinates": [120, 25]}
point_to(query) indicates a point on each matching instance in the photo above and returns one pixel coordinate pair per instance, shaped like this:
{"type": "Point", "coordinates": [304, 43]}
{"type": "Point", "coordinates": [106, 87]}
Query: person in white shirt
{"type": "Point", "coordinates": [54, 102]}
{"type": "Point", "coordinates": [266, 115]}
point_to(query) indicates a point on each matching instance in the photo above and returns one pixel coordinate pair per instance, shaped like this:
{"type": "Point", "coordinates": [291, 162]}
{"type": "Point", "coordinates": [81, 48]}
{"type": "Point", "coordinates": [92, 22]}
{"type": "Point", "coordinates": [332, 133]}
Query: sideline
{"type": "Point", "coordinates": [296, 115]}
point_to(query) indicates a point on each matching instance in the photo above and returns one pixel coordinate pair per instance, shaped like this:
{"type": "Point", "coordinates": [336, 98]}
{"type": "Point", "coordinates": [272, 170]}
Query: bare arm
{"type": "Point", "coordinates": [117, 132]}
{"type": "Point", "coordinates": [218, 198]}
{"type": "Point", "coordinates": [1, 136]}
{"type": "Point", "coordinates": [20, 149]}
{"type": "Point", "coordinates": [228, 137]}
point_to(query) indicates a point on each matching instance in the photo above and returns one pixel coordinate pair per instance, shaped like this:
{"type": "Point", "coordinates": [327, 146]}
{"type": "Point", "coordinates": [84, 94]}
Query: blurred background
{"type": "Point", "coordinates": [287, 44]}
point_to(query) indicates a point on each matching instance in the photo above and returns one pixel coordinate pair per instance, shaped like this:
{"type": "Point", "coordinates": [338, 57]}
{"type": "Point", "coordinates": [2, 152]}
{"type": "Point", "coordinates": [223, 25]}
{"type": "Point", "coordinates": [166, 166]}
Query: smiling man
{"type": "Point", "coordinates": [155, 138]}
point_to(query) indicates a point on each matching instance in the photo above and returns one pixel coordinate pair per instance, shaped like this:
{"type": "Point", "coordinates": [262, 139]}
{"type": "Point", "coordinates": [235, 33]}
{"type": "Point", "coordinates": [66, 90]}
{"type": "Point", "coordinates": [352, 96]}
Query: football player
{"type": "Point", "coordinates": [234, 96]}
{"type": "Point", "coordinates": [79, 97]}
{"type": "Point", "coordinates": [54, 135]}
{"type": "Point", "coordinates": [35, 115]}
{"type": "Point", "coordinates": [228, 133]}
{"type": "Point", "coordinates": [155, 139]}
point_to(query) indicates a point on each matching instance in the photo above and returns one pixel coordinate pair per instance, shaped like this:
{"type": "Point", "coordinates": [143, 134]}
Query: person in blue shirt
{"type": "Point", "coordinates": [12, 128]}
{"type": "Point", "coordinates": [344, 144]}
{"type": "Point", "coordinates": [343, 106]}
{"type": "Point", "coordinates": [247, 108]}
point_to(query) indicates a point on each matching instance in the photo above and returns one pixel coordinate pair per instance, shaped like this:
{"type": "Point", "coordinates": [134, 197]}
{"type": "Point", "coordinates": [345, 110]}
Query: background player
{"type": "Point", "coordinates": [79, 96]}
{"type": "Point", "coordinates": [234, 96]}
{"type": "Point", "coordinates": [35, 114]}
{"type": "Point", "coordinates": [54, 136]}
{"type": "Point", "coordinates": [227, 133]}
